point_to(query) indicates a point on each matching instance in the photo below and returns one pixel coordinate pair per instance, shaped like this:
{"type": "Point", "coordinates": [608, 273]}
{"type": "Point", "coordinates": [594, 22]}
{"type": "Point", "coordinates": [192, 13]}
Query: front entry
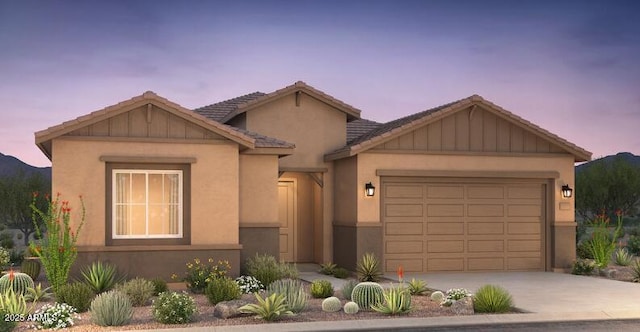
{"type": "Point", "coordinates": [287, 215]}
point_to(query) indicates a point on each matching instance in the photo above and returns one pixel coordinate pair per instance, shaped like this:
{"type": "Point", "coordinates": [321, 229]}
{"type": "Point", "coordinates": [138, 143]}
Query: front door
{"type": "Point", "coordinates": [287, 217]}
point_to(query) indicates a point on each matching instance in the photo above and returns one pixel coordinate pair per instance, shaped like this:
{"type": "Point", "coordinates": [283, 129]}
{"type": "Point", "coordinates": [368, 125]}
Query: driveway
{"type": "Point", "coordinates": [547, 292]}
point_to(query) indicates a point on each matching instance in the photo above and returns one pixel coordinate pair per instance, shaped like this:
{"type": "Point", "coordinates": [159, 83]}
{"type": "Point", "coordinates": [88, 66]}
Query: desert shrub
{"type": "Point", "coordinates": [583, 250]}
{"type": "Point", "coordinates": [267, 269]}
{"type": "Point", "coordinates": [174, 308]}
{"type": "Point", "coordinates": [454, 295]}
{"type": "Point", "coordinates": [159, 285]}
{"type": "Point", "coordinates": [327, 268]}
{"type": "Point", "coordinates": [222, 289]}
{"type": "Point", "coordinates": [635, 271]}
{"type": "Point", "coordinates": [347, 288]}
{"type": "Point", "coordinates": [16, 257]}
{"type": "Point", "coordinates": [603, 242]}
{"type": "Point", "coordinates": [138, 290]}
{"type": "Point", "coordinates": [321, 289]}
{"type": "Point", "coordinates": [396, 300]}
{"type": "Point", "coordinates": [491, 298]}
{"type": "Point", "coordinates": [340, 273]}
{"type": "Point", "coordinates": [417, 286]}
{"type": "Point", "coordinates": [17, 281]}
{"type": "Point", "coordinates": [583, 267]}
{"type": "Point", "coordinates": [351, 308]}
{"type": "Point", "coordinates": [368, 268]}
{"type": "Point", "coordinates": [56, 316]}
{"type": "Point", "coordinates": [634, 231]}
{"type": "Point", "coordinates": [633, 244]}
{"type": "Point", "coordinates": [366, 294]}
{"type": "Point", "coordinates": [199, 274]}
{"type": "Point", "coordinates": [6, 325]}
{"type": "Point", "coordinates": [76, 294]}
{"type": "Point", "coordinates": [37, 293]}
{"type": "Point", "coordinates": [623, 257]}
{"type": "Point", "coordinates": [5, 257]}
{"type": "Point", "coordinates": [295, 296]}
{"type": "Point", "coordinates": [112, 308]}
{"type": "Point", "coordinates": [101, 277]}
{"type": "Point", "coordinates": [270, 308]}
{"type": "Point", "coordinates": [6, 240]}
{"type": "Point", "coordinates": [249, 284]}
{"type": "Point", "coordinates": [331, 304]}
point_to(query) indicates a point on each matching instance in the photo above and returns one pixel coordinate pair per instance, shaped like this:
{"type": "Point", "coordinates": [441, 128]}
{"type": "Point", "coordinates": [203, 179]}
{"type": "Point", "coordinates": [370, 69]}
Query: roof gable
{"type": "Point", "coordinates": [298, 87]}
{"type": "Point", "coordinates": [472, 124]}
{"type": "Point", "coordinates": [116, 120]}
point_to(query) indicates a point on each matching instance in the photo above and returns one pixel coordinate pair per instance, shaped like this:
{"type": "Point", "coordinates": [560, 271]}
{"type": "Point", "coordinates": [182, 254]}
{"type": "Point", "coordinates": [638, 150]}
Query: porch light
{"type": "Point", "coordinates": [369, 189]}
{"type": "Point", "coordinates": [567, 192]}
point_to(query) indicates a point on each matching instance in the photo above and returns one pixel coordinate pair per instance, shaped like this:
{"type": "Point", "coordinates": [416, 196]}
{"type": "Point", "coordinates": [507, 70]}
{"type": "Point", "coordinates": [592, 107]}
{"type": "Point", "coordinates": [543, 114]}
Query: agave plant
{"type": "Point", "coordinates": [270, 308]}
{"type": "Point", "coordinates": [369, 268]}
{"type": "Point", "coordinates": [101, 277]}
{"type": "Point", "coordinates": [397, 300]}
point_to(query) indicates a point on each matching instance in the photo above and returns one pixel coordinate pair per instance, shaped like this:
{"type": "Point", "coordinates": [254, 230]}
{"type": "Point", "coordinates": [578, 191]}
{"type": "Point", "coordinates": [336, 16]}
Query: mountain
{"type": "Point", "coordinates": [629, 157]}
{"type": "Point", "coordinates": [10, 165]}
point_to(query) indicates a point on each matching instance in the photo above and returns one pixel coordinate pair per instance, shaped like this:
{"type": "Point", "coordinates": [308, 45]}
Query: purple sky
{"type": "Point", "coordinates": [571, 67]}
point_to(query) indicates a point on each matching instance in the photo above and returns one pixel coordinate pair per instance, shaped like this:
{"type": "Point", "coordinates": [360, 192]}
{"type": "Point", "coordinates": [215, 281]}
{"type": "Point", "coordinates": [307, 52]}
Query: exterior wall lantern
{"type": "Point", "coordinates": [567, 192]}
{"type": "Point", "coordinates": [369, 189]}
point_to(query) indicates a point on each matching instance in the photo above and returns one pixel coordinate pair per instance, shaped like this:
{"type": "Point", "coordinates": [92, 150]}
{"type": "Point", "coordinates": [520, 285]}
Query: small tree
{"type": "Point", "coordinates": [15, 198]}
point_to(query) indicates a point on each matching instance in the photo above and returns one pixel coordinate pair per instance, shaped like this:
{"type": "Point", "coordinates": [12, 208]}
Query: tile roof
{"type": "Point", "coordinates": [219, 111]}
{"type": "Point", "coordinates": [262, 141]}
{"type": "Point", "coordinates": [359, 127]}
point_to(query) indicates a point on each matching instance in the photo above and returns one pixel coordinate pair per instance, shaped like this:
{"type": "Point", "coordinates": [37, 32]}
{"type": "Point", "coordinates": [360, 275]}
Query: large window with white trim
{"type": "Point", "coordinates": [147, 204]}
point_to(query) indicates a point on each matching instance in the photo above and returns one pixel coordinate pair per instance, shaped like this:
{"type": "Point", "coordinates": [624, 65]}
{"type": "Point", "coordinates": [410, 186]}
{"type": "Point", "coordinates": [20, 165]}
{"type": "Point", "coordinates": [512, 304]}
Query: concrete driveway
{"type": "Point", "coordinates": [547, 292]}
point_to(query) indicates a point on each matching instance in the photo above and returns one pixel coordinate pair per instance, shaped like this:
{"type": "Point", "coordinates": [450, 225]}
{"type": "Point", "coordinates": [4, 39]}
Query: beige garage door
{"type": "Point", "coordinates": [463, 225]}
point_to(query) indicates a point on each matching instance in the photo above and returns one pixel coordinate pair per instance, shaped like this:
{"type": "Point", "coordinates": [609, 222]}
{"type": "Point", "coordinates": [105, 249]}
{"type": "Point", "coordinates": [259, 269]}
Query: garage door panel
{"type": "Point", "coordinates": [485, 246]}
{"type": "Point", "coordinates": [445, 210]}
{"type": "Point", "coordinates": [408, 264]}
{"type": "Point", "coordinates": [523, 245]}
{"type": "Point", "coordinates": [524, 264]}
{"type": "Point", "coordinates": [485, 228]}
{"type": "Point", "coordinates": [446, 265]}
{"type": "Point", "coordinates": [485, 192]}
{"type": "Point", "coordinates": [524, 228]}
{"type": "Point", "coordinates": [456, 228]}
{"type": "Point", "coordinates": [404, 247]}
{"type": "Point", "coordinates": [445, 191]}
{"type": "Point", "coordinates": [404, 191]}
{"type": "Point", "coordinates": [519, 210]}
{"type": "Point", "coordinates": [484, 264]}
{"type": "Point", "coordinates": [485, 210]}
{"type": "Point", "coordinates": [404, 228]}
{"type": "Point", "coordinates": [448, 246]}
{"type": "Point", "coordinates": [523, 191]}
{"type": "Point", "coordinates": [404, 210]}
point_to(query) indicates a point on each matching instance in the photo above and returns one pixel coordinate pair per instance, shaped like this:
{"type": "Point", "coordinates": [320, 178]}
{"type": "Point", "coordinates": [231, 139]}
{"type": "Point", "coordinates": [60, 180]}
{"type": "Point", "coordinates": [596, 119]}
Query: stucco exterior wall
{"type": "Point", "coordinates": [77, 170]}
{"type": "Point", "coordinates": [258, 189]}
{"type": "Point", "coordinates": [346, 190]}
{"type": "Point", "coordinates": [315, 127]}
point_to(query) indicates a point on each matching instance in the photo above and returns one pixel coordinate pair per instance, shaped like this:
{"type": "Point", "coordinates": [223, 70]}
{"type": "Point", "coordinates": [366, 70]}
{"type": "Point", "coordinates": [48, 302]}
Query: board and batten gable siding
{"type": "Point", "coordinates": [471, 130]}
{"type": "Point", "coordinates": [145, 122]}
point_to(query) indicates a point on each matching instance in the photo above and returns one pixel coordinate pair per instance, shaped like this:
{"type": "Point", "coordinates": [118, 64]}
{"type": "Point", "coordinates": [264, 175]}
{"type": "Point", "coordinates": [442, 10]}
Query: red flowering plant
{"type": "Point", "coordinates": [603, 242]}
{"type": "Point", "coordinates": [57, 248]}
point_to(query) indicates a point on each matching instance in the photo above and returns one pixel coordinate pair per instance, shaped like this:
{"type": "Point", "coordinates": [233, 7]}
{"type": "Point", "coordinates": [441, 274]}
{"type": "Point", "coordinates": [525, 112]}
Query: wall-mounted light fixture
{"type": "Point", "coordinates": [369, 189]}
{"type": "Point", "coordinates": [567, 192]}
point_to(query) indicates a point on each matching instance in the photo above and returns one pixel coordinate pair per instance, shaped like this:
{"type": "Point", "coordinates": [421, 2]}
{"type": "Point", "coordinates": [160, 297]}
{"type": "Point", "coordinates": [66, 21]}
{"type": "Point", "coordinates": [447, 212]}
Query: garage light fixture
{"type": "Point", "coordinates": [369, 189]}
{"type": "Point", "coordinates": [567, 192]}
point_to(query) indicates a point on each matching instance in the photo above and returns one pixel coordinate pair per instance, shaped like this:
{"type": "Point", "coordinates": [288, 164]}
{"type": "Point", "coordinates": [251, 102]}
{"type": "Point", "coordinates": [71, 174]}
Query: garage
{"type": "Point", "coordinates": [463, 224]}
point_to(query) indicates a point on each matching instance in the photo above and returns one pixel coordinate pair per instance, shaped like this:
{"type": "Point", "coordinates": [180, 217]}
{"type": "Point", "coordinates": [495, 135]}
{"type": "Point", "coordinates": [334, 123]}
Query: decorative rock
{"type": "Point", "coordinates": [463, 306]}
{"type": "Point", "coordinates": [228, 309]}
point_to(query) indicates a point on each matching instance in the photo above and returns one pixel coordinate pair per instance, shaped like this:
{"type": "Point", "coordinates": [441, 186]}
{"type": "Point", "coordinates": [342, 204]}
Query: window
{"type": "Point", "coordinates": [147, 204]}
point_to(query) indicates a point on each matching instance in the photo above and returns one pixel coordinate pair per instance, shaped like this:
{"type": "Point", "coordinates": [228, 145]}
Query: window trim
{"type": "Point", "coordinates": [111, 240]}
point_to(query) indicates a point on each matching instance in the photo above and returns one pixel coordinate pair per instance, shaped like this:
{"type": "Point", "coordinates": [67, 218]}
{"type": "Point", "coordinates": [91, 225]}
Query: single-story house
{"type": "Point", "coordinates": [296, 173]}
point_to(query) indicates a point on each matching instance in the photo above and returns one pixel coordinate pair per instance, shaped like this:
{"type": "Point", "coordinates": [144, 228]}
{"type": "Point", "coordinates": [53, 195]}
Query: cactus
{"type": "Point", "coordinates": [31, 267]}
{"type": "Point", "coordinates": [367, 293]}
{"type": "Point", "coordinates": [437, 296]}
{"type": "Point", "coordinates": [331, 304]}
{"type": "Point", "coordinates": [351, 308]}
{"type": "Point", "coordinates": [18, 281]}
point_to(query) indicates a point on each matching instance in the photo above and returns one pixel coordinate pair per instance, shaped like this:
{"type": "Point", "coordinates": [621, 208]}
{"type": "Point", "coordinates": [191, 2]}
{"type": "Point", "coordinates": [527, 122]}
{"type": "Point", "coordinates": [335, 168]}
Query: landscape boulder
{"type": "Point", "coordinates": [228, 309]}
{"type": "Point", "coordinates": [463, 306]}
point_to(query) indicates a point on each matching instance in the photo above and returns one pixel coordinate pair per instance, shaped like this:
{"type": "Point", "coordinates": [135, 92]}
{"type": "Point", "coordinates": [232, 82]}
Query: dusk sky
{"type": "Point", "coordinates": [571, 67]}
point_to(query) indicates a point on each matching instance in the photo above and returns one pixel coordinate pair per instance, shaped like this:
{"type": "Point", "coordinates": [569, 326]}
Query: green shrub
{"type": "Point", "coordinates": [56, 316]}
{"type": "Point", "coordinates": [491, 299]}
{"type": "Point", "coordinates": [138, 290]}
{"type": "Point", "coordinates": [5, 257]}
{"type": "Point", "coordinates": [417, 286]}
{"type": "Point", "coordinates": [31, 267]}
{"type": "Point", "coordinates": [266, 269]}
{"type": "Point", "coordinates": [397, 300]}
{"type": "Point", "coordinates": [327, 268]}
{"type": "Point", "coordinates": [351, 308]}
{"type": "Point", "coordinates": [341, 273]}
{"type": "Point", "coordinates": [174, 308]}
{"type": "Point", "coordinates": [249, 284]}
{"type": "Point", "coordinates": [222, 289]}
{"type": "Point", "coordinates": [6, 240]}
{"type": "Point", "coordinates": [199, 274]}
{"type": "Point", "coordinates": [295, 296]}
{"type": "Point", "coordinates": [347, 288]}
{"type": "Point", "coordinates": [623, 257]}
{"type": "Point", "coordinates": [635, 271]}
{"type": "Point", "coordinates": [270, 308]}
{"type": "Point", "coordinates": [17, 281]}
{"type": "Point", "coordinates": [101, 277]}
{"type": "Point", "coordinates": [159, 285]}
{"type": "Point", "coordinates": [366, 294]}
{"type": "Point", "coordinates": [583, 267]}
{"type": "Point", "coordinates": [331, 304]}
{"type": "Point", "coordinates": [321, 289]}
{"type": "Point", "coordinates": [633, 244]}
{"type": "Point", "coordinates": [13, 303]}
{"type": "Point", "coordinates": [76, 294]}
{"type": "Point", "coordinates": [112, 308]}
{"type": "Point", "coordinates": [37, 293]}
{"type": "Point", "coordinates": [634, 231]}
{"type": "Point", "coordinates": [6, 325]}
{"type": "Point", "coordinates": [369, 268]}
{"type": "Point", "coordinates": [583, 250]}
{"type": "Point", "coordinates": [16, 257]}
{"type": "Point", "coordinates": [454, 295]}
